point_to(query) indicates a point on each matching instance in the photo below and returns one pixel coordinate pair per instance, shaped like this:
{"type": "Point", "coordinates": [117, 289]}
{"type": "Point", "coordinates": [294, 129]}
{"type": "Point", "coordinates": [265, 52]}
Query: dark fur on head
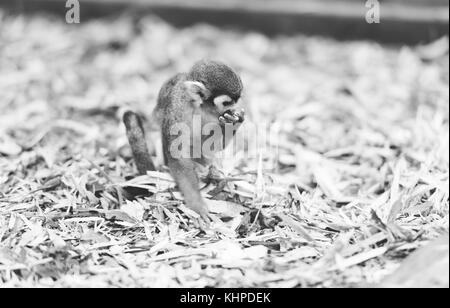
{"type": "Point", "coordinates": [218, 78]}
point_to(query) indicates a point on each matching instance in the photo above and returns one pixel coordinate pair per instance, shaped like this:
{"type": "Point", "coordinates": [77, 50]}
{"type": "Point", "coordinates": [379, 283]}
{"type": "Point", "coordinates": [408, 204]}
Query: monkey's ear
{"type": "Point", "coordinates": [197, 90]}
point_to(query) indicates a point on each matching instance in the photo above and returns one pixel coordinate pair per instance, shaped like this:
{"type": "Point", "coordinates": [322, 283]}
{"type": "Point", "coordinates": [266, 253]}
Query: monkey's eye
{"type": "Point", "coordinates": [226, 104]}
{"type": "Point", "coordinates": [223, 101]}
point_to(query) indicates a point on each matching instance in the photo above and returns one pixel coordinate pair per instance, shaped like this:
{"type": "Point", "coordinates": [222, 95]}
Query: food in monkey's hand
{"type": "Point", "coordinates": [232, 117]}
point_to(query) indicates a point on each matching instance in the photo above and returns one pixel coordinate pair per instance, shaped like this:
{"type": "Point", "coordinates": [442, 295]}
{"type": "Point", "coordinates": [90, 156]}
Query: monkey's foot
{"type": "Point", "coordinates": [214, 175]}
{"type": "Point", "coordinates": [232, 117]}
{"type": "Point", "coordinates": [204, 221]}
{"type": "Point", "coordinates": [217, 178]}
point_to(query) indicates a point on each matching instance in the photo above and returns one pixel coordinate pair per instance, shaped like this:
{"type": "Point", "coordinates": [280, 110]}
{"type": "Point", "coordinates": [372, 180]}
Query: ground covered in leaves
{"type": "Point", "coordinates": [355, 181]}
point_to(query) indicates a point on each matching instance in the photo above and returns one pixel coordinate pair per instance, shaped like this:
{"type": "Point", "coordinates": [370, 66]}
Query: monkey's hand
{"type": "Point", "coordinates": [232, 117]}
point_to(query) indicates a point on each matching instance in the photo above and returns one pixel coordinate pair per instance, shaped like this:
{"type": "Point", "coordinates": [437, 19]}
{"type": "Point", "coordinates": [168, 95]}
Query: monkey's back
{"type": "Point", "coordinates": [171, 99]}
{"type": "Point", "coordinates": [173, 110]}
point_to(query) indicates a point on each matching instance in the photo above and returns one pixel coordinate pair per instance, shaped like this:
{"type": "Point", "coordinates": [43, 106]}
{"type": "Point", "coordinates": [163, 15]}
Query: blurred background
{"type": "Point", "coordinates": [405, 21]}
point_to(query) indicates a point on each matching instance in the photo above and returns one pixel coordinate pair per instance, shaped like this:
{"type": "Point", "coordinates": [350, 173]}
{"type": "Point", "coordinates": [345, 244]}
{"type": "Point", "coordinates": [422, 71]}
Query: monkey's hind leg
{"type": "Point", "coordinates": [136, 138]}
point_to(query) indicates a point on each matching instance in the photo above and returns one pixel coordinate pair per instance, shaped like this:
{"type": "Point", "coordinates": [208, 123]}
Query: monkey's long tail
{"type": "Point", "coordinates": [136, 138]}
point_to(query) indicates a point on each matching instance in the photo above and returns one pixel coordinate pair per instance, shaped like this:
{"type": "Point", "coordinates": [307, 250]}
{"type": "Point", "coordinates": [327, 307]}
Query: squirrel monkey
{"type": "Point", "coordinates": [207, 95]}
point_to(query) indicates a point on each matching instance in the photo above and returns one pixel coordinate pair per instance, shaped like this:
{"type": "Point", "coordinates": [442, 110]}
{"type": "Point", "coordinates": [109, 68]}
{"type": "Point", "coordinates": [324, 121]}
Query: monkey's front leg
{"type": "Point", "coordinates": [183, 171]}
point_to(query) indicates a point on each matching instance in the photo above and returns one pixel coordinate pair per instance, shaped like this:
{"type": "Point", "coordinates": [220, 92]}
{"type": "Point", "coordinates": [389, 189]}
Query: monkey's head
{"type": "Point", "coordinates": [217, 84]}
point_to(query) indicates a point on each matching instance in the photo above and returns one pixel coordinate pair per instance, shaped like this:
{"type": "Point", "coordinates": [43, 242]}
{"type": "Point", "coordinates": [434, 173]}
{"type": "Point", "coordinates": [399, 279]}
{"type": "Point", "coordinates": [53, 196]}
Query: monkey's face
{"type": "Point", "coordinates": [222, 86]}
{"type": "Point", "coordinates": [223, 103]}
